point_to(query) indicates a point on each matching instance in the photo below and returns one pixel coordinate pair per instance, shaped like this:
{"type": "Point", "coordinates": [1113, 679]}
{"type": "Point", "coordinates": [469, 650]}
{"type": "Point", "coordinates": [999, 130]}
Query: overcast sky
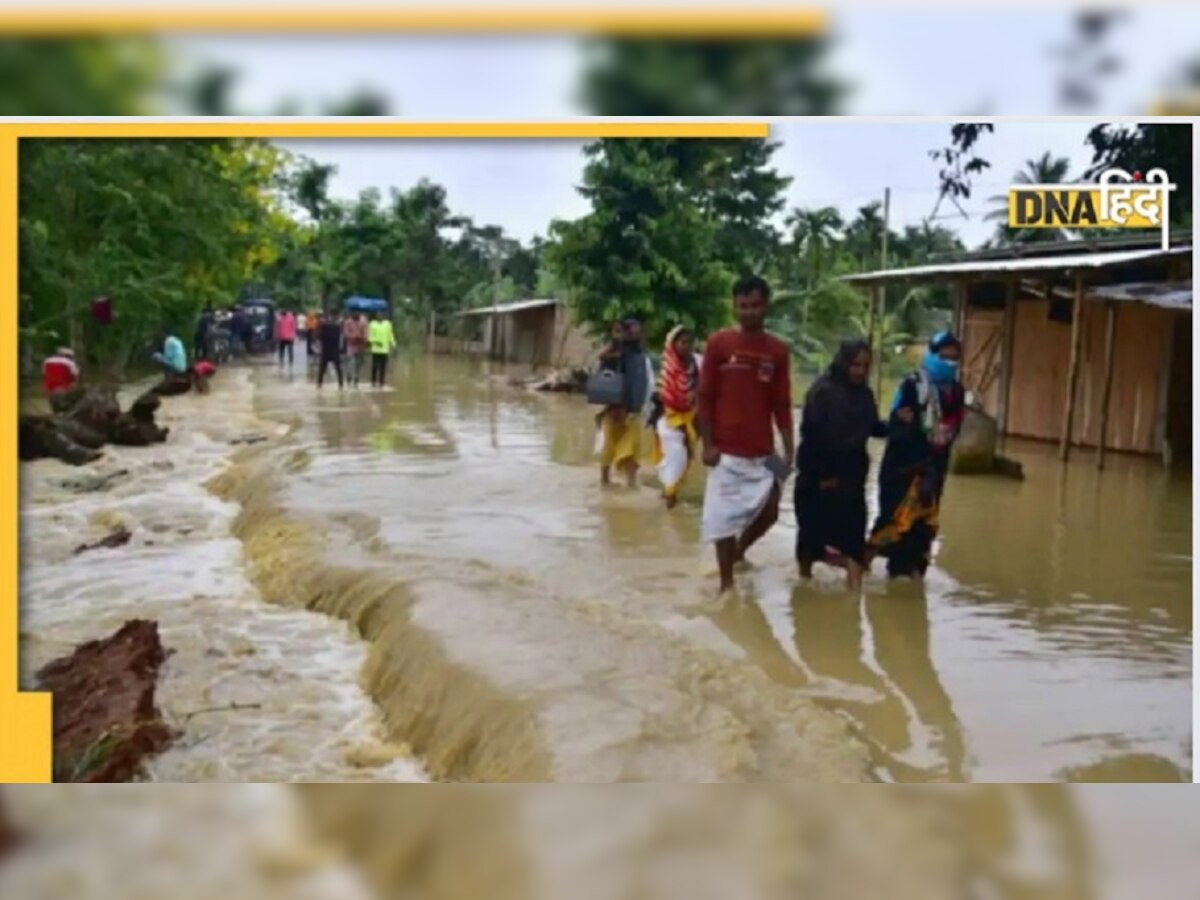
{"type": "Point", "coordinates": [916, 61]}
{"type": "Point", "coordinates": [523, 185]}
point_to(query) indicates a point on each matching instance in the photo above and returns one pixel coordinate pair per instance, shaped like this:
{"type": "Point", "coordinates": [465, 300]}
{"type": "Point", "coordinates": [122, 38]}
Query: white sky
{"type": "Point", "coordinates": [522, 185]}
{"type": "Point", "coordinates": [915, 61]}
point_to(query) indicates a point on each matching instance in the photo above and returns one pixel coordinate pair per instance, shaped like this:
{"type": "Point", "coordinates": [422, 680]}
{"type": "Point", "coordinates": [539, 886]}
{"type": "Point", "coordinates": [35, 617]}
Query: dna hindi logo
{"type": "Point", "coordinates": [1119, 199]}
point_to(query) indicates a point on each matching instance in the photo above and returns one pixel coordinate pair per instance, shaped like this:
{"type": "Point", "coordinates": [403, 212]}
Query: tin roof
{"type": "Point", "coordinates": [1167, 295]}
{"type": "Point", "coordinates": [1065, 262]}
{"type": "Point", "coordinates": [502, 309]}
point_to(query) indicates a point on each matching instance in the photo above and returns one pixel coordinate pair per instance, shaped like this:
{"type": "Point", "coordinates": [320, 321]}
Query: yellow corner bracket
{"type": "Point", "coordinates": [25, 720]}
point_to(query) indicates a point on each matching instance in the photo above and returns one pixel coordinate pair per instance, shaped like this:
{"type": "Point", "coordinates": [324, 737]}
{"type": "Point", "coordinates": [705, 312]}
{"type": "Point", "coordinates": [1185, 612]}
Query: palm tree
{"type": "Point", "coordinates": [1046, 169]}
{"type": "Point", "coordinates": [814, 231]}
{"type": "Point", "coordinates": [890, 334]}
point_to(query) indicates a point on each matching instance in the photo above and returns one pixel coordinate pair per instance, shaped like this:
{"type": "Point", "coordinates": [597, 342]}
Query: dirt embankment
{"type": "Point", "coordinates": [105, 719]}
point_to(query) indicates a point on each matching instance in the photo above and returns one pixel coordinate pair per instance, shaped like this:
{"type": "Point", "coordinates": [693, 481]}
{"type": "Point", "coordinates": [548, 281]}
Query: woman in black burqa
{"type": "Point", "coordinates": [840, 416]}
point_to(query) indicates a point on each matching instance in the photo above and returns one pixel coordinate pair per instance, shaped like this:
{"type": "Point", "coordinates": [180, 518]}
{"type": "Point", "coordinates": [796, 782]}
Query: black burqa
{"type": "Point", "coordinates": [832, 462]}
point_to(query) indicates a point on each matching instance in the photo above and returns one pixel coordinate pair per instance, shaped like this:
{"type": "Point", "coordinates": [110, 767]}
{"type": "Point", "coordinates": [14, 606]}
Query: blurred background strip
{"type": "Point", "coordinates": [589, 60]}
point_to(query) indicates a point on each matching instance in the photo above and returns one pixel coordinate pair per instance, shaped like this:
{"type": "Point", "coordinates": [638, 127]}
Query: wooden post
{"type": "Point", "coordinates": [1064, 451]}
{"type": "Point", "coordinates": [1164, 390]}
{"type": "Point", "coordinates": [883, 264]}
{"type": "Point", "coordinates": [1110, 341]}
{"type": "Point", "coordinates": [1007, 329]}
{"type": "Point", "coordinates": [872, 299]}
{"type": "Point", "coordinates": [960, 309]}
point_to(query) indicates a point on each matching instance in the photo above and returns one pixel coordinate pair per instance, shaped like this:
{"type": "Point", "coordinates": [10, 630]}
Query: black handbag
{"type": "Point", "coordinates": [605, 388]}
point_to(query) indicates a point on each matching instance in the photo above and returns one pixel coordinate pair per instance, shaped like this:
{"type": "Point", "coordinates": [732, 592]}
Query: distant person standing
{"type": "Point", "coordinates": [59, 372]}
{"type": "Point", "coordinates": [285, 336]}
{"type": "Point", "coordinates": [302, 327]}
{"type": "Point", "coordinates": [204, 326]}
{"type": "Point", "coordinates": [382, 340]}
{"type": "Point", "coordinates": [745, 389]}
{"type": "Point", "coordinates": [237, 332]}
{"type": "Point", "coordinates": [354, 334]}
{"type": "Point", "coordinates": [330, 341]}
{"type": "Point", "coordinates": [314, 324]}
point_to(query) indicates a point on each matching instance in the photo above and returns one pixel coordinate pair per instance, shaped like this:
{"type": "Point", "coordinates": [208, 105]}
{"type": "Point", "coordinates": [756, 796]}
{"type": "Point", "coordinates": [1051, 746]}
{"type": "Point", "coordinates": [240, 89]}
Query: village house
{"type": "Point", "coordinates": [1084, 343]}
{"type": "Point", "coordinates": [539, 333]}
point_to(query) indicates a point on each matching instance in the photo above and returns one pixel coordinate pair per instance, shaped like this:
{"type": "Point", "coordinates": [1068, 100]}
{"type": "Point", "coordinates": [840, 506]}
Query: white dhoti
{"type": "Point", "coordinates": [674, 463]}
{"type": "Point", "coordinates": [737, 492]}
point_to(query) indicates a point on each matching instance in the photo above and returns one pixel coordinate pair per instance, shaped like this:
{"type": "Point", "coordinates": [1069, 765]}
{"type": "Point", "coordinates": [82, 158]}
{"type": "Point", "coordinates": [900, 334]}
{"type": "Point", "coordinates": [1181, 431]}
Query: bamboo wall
{"type": "Point", "coordinates": [981, 356]}
{"type": "Point", "coordinates": [1041, 359]}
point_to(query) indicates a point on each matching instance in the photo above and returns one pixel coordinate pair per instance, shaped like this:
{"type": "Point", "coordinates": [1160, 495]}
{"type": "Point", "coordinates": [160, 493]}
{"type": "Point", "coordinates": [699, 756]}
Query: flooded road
{"type": "Point", "coordinates": [524, 625]}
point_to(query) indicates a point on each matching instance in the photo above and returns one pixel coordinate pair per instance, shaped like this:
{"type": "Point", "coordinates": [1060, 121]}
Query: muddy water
{"type": "Point", "coordinates": [261, 693]}
{"type": "Point", "coordinates": [524, 625]}
{"type": "Point", "coordinates": [993, 842]}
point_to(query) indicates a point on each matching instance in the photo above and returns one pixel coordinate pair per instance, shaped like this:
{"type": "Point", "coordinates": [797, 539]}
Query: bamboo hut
{"type": "Point", "coordinates": [535, 332]}
{"type": "Point", "coordinates": [1087, 344]}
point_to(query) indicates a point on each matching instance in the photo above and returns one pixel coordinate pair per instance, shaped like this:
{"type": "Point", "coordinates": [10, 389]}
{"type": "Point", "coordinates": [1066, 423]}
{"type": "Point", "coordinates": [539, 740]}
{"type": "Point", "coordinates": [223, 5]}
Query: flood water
{"type": "Point", "coordinates": [525, 625]}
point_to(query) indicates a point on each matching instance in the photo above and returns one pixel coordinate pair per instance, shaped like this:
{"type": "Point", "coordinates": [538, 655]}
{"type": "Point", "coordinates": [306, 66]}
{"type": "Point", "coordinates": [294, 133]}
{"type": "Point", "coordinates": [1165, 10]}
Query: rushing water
{"type": "Point", "coordinates": [261, 692]}
{"type": "Point", "coordinates": [526, 625]}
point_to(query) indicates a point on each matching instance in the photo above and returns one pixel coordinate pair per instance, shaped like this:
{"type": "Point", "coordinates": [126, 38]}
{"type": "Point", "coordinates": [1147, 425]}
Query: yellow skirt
{"type": "Point", "coordinates": [622, 441]}
{"type": "Point", "coordinates": [675, 446]}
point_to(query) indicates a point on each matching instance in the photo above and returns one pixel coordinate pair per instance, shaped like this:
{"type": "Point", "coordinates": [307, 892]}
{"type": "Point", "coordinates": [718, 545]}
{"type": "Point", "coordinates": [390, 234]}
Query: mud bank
{"type": "Point", "coordinates": [462, 727]}
{"type": "Point", "coordinates": [265, 693]}
{"type": "Point", "coordinates": [106, 721]}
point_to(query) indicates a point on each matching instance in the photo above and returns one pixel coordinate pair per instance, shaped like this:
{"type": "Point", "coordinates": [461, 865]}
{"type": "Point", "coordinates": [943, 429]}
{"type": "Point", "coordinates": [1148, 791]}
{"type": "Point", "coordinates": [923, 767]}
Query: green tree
{"type": "Point", "coordinates": [814, 232]}
{"type": "Point", "coordinates": [710, 77]}
{"type": "Point", "coordinates": [1139, 148]}
{"type": "Point", "coordinates": [735, 185]}
{"type": "Point", "coordinates": [95, 76]}
{"type": "Point", "coordinates": [91, 226]}
{"type": "Point", "coordinates": [646, 248]}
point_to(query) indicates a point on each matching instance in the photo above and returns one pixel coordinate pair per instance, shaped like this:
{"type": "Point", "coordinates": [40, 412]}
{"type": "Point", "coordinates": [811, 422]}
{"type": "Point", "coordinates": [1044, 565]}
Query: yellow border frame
{"type": "Point", "coordinates": [663, 21]}
{"type": "Point", "coordinates": [25, 718]}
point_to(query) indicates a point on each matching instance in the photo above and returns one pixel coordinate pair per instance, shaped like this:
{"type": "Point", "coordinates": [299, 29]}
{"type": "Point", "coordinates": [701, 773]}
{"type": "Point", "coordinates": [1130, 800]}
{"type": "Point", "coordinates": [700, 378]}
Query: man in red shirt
{"type": "Point", "coordinates": [745, 394]}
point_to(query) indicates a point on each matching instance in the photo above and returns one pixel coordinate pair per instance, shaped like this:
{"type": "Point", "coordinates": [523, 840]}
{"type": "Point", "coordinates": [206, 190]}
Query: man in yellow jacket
{"type": "Point", "coordinates": [382, 340]}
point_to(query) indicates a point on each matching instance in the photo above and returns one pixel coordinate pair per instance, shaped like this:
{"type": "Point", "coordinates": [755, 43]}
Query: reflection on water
{"type": "Point", "coordinates": [1052, 640]}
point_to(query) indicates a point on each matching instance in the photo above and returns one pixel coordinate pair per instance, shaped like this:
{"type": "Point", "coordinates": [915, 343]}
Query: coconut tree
{"type": "Point", "coordinates": [814, 233]}
{"type": "Point", "coordinates": [1046, 169]}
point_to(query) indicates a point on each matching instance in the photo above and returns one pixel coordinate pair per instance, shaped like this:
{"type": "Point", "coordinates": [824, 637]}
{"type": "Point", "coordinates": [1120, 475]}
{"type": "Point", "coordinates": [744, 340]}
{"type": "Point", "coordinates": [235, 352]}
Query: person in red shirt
{"type": "Point", "coordinates": [745, 394]}
{"type": "Point", "coordinates": [59, 372]}
{"type": "Point", "coordinates": [354, 336]}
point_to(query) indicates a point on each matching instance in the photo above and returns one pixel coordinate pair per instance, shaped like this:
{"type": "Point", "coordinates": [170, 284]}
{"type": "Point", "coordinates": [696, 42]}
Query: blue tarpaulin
{"type": "Point", "coordinates": [366, 304]}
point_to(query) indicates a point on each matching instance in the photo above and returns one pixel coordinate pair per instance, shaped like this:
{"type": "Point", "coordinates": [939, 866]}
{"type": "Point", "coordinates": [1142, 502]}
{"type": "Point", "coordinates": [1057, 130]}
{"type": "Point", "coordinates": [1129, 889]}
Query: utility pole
{"type": "Point", "coordinates": [883, 262]}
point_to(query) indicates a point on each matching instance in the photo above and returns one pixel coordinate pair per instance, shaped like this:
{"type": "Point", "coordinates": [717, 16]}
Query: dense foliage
{"type": "Point", "coordinates": [161, 226]}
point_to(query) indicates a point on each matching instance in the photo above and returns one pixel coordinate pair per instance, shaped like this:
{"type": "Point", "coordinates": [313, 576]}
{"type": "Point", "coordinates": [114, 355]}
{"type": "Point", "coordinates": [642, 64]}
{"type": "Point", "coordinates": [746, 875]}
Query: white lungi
{"type": "Point", "coordinates": [737, 491]}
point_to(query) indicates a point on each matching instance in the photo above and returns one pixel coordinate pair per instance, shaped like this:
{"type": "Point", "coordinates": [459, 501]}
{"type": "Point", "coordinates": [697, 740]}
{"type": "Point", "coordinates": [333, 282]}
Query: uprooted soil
{"type": "Point", "coordinates": [106, 722]}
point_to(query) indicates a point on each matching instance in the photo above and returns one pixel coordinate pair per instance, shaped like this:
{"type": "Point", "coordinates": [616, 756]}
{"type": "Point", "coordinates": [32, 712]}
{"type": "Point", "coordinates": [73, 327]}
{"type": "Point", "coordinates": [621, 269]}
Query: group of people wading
{"type": "Point", "coordinates": [725, 408]}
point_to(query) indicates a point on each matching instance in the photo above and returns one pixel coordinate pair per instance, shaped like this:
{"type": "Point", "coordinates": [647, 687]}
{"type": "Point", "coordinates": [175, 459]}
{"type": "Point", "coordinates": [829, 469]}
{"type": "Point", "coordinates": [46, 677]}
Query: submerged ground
{"type": "Point", "coordinates": [522, 625]}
